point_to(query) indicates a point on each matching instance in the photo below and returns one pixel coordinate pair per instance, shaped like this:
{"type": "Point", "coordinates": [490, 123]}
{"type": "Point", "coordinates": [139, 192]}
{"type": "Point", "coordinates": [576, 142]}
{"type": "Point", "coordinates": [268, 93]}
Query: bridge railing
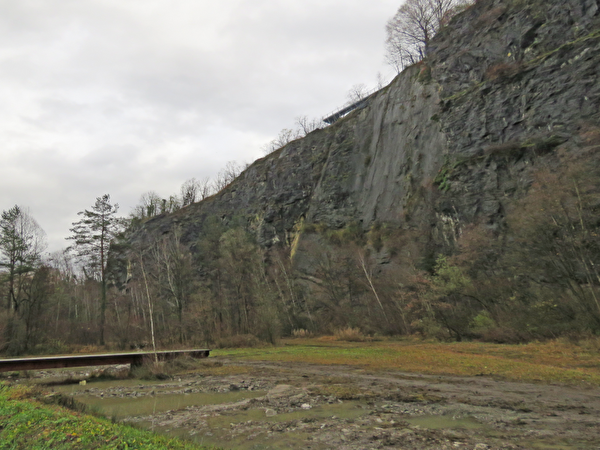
{"type": "Point", "coordinates": [348, 107]}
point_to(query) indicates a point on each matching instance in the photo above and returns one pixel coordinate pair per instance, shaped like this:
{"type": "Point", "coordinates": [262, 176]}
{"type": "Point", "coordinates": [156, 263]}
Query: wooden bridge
{"type": "Point", "coordinates": [57, 362]}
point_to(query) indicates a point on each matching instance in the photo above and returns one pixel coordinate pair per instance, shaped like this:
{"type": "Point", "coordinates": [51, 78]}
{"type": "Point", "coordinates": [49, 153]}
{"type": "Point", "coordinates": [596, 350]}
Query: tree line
{"type": "Point", "coordinates": [535, 277]}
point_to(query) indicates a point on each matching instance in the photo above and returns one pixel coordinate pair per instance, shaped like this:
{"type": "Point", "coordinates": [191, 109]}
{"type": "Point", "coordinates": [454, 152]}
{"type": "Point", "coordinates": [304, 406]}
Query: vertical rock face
{"type": "Point", "coordinates": [449, 141]}
{"type": "Point", "coordinates": [517, 79]}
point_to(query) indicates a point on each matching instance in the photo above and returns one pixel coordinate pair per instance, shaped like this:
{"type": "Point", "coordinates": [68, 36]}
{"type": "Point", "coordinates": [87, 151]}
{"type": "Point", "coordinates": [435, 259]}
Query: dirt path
{"type": "Point", "coordinates": [303, 406]}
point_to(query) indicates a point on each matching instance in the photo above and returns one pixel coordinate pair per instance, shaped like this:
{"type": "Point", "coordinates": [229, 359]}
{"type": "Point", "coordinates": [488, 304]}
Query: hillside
{"type": "Point", "coordinates": [349, 223]}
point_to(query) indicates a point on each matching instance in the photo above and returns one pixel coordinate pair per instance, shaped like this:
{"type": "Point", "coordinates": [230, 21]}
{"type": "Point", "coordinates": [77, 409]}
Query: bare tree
{"type": "Point", "coordinates": [190, 191]}
{"type": "Point", "coordinates": [284, 137]}
{"type": "Point", "coordinates": [148, 206]}
{"type": "Point", "coordinates": [22, 242]}
{"type": "Point", "coordinates": [205, 188]}
{"type": "Point", "coordinates": [306, 125]}
{"type": "Point", "coordinates": [357, 93]}
{"type": "Point", "coordinates": [226, 176]}
{"type": "Point", "coordinates": [413, 26]}
{"type": "Point", "coordinates": [381, 82]}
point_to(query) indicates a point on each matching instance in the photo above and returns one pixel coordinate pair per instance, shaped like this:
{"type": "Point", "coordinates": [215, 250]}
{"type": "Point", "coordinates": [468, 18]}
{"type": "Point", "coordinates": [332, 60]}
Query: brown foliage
{"type": "Point", "coordinates": [503, 70]}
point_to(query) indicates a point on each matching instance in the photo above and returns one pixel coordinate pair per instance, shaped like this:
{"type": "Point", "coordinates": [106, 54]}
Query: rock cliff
{"type": "Point", "coordinates": [450, 141]}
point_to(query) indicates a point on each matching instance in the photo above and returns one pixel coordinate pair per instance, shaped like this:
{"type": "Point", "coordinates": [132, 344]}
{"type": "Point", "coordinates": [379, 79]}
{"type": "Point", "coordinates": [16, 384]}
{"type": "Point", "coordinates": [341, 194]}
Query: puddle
{"type": "Point", "coordinates": [257, 441]}
{"type": "Point", "coordinates": [120, 408]}
{"type": "Point", "coordinates": [444, 422]}
{"type": "Point", "coordinates": [220, 430]}
{"type": "Point", "coordinates": [544, 445]}
{"type": "Point", "coordinates": [127, 406]}
{"type": "Point", "coordinates": [108, 384]}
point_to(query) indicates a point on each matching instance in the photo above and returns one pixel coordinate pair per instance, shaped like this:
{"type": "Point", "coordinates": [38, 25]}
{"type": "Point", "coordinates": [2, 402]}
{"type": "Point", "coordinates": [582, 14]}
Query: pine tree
{"type": "Point", "coordinates": [92, 236]}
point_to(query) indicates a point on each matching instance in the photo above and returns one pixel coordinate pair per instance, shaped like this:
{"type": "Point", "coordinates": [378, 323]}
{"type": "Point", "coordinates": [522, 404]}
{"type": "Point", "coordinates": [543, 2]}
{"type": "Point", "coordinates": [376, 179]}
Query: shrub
{"type": "Point", "coordinates": [352, 232]}
{"type": "Point", "coordinates": [502, 71]}
{"type": "Point", "coordinates": [503, 335]}
{"type": "Point", "coordinates": [238, 341]}
{"type": "Point", "coordinates": [482, 322]}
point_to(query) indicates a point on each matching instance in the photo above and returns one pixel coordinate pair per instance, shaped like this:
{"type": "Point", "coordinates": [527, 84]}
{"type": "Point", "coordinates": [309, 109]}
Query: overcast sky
{"type": "Point", "coordinates": [127, 96]}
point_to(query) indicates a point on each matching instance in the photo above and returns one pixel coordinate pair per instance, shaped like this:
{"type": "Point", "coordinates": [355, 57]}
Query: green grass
{"type": "Point", "coordinates": [28, 424]}
{"type": "Point", "coordinates": [551, 362]}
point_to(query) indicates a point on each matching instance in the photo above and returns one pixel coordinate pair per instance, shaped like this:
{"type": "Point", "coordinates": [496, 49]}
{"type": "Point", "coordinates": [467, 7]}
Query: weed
{"type": "Point", "coordinates": [424, 76]}
{"type": "Point", "coordinates": [376, 235]}
{"type": "Point", "coordinates": [352, 232]}
{"type": "Point", "coordinates": [490, 16]}
{"type": "Point", "coordinates": [442, 179]}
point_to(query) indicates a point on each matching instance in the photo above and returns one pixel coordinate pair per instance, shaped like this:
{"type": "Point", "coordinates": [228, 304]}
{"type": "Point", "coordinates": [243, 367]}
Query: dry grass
{"type": "Point", "coordinates": [301, 333]}
{"type": "Point", "coordinates": [350, 334]}
{"type": "Point", "coordinates": [555, 361]}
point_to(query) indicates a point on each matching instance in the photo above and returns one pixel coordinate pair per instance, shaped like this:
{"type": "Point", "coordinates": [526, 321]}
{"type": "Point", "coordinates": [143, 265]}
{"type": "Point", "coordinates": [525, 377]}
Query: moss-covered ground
{"type": "Point", "coordinates": [26, 423]}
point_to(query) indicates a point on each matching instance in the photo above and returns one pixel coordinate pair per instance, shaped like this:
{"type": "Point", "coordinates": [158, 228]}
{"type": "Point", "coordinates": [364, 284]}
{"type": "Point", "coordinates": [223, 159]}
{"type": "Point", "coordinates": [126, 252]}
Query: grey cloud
{"type": "Point", "coordinates": [106, 96]}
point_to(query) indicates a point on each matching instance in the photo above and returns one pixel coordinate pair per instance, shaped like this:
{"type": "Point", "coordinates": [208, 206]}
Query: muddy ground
{"type": "Point", "coordinates": [259, 405]}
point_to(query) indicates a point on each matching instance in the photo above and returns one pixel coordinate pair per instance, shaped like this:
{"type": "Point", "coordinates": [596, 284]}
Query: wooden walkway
{"type": "Point", "coordinates": [57, 362]}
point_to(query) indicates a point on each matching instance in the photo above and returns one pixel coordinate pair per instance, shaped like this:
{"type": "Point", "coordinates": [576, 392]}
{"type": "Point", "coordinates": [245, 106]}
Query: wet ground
{"type": "Point", "coordinates": [258, 405]}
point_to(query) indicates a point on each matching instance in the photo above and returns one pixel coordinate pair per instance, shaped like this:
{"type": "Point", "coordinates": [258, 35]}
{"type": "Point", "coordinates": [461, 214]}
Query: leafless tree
{"type": "Point", "coordinates": [190, 191]}
{"type": "Point", "coordinates": [306, 125]}
{"type": "Point", "coordinates": [204, 188]}
{"type": "Point", "coordinates": [284, 137]}
{"type": "Point", "coordinates": [148, 206]}
{"type": "Point", "coordinates": [226, 176]}
{"type": "Point", "coordinates": [381, 82]}
{"type": "Point", "coordinates": [22, 242]}
{"type": "Point", "coordinates": [413, 26]}
{"type": "Point", "coordinates": [357, 92]}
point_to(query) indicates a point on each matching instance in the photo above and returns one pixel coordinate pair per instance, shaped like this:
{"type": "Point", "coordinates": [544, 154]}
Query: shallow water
{"type": "Point", "coordinates": [152, 401]}
{"type": "Point", "coordinates": [120, 399]}
{"type": "Point", "coordinates": [221, 426]}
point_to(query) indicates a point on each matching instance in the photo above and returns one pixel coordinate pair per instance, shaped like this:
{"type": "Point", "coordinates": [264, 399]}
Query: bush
{"type": "Point", "coordinates": [238, 341]}
{"type": "Point", "coordinates": [503, 335]}
{"type": "Point", "coordinates": [482, 322]}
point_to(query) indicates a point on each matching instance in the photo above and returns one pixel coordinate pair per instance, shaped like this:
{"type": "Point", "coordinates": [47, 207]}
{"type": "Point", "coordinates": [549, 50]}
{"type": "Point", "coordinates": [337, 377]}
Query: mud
{"type": "Point", "coordinates": [301, 406]}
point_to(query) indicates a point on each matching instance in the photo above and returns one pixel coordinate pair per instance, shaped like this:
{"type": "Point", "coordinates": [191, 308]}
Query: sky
{"type": "Point", "coordinates": [125, 97]}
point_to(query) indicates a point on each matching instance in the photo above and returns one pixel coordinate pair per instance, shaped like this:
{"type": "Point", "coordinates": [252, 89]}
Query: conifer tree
{"type": "Point", "coordinates": [92, 236]}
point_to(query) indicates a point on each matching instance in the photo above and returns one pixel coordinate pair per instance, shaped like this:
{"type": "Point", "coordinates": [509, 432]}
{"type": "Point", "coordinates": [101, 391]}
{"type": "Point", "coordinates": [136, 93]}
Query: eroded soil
{"type": "Point", "coordinates": [259, 405]}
